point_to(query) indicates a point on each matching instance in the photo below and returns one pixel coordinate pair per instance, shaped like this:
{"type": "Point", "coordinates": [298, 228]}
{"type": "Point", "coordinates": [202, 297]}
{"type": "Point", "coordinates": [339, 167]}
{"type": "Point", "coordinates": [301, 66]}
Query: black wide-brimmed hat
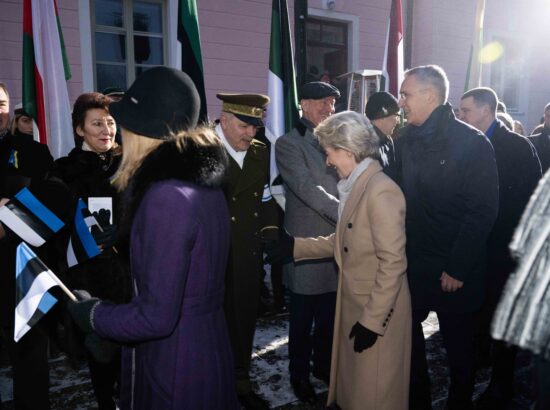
{"type": "Point", "coordinates": [381, 105]}
{"type": "Point", "coordinates": [160, 102]}
{"type": "Point", "coordinates": [246, 107]}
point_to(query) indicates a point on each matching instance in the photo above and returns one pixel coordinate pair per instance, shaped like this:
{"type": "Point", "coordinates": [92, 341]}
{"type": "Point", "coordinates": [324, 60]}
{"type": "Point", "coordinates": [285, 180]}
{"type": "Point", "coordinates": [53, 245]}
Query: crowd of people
{"type": "Point", "coordinates": [381, 225]}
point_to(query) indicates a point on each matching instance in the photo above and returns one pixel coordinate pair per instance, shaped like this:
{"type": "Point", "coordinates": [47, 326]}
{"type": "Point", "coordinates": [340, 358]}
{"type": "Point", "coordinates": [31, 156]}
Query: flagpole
{"type": "Point", "coordinates": [62, 286]}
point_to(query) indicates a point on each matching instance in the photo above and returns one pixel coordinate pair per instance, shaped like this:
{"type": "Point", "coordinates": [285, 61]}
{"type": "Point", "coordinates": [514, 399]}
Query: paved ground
{"type": "Point", "coordinates": [72, 390]}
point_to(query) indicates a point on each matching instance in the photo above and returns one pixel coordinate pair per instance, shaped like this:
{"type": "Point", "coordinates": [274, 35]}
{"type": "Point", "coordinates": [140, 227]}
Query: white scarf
{"type": "Point", "coordinates": [345, 185]}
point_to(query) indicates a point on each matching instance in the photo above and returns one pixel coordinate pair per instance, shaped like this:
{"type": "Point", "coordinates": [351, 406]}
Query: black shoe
{"type": "Point", "coordinates": [251, 401]}
{"type": "Point", "coordinates": [322, 376]}
{"type": "Point", "coordinates": [303, 390]}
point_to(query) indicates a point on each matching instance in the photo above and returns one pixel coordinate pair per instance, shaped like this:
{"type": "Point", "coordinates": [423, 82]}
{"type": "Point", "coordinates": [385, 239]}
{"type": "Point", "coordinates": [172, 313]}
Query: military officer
{"type": "Point", "coordinates": [253, 215]}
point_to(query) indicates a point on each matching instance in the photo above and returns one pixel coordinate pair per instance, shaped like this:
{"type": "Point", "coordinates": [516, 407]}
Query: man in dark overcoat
{"type": "Point", "coordinates": [448, 173]}
{"type": "Point", "coordinates": [518, 174]}
{"type": "Point", "coordinates": [254, 217]}
{"type": "Point", "coordinates": [541, 141]}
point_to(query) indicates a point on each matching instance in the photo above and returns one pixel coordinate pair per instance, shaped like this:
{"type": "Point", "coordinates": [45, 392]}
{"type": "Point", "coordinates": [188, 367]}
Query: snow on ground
{"type": "Point", "coordinates": [71, 390]}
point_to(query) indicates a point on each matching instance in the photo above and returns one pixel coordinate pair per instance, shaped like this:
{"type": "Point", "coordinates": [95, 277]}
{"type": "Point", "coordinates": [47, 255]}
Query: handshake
{"type": "Point", "coordinates": [281, 250]}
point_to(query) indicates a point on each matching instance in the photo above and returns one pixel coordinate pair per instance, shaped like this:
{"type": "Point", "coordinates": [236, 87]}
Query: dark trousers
{"type": "Point", "coordinates": [542, 368]}
{"type": "Point", "coordinates": [105, 377]}
{"type": "Point", "coordinates": [29, 360]}
{"type": "Point", "coordinates": [307, 312]}
{"type": "Point", "coordinates": [277, 285]}
{"type": "Point", "coordinates": [457, 331]}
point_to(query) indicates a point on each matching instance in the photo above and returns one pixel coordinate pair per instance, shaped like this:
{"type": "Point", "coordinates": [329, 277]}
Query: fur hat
{"type": "Point", "coordinates": [160, 102]}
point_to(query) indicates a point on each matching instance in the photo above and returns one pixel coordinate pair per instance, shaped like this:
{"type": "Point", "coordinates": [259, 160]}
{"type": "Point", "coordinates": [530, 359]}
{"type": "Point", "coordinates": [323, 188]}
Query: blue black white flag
{"type": "Point", "coordinates": [33, 279]}
{"type": "Point", "coordinates": [29, 219]}
{"type": "Point", "coordinates": [82, 245]}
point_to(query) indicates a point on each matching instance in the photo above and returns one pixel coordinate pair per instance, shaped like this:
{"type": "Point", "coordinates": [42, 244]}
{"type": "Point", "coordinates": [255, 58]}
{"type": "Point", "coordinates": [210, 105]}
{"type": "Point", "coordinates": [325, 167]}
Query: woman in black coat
{"type": "Point", "coordinates": [87, 171]}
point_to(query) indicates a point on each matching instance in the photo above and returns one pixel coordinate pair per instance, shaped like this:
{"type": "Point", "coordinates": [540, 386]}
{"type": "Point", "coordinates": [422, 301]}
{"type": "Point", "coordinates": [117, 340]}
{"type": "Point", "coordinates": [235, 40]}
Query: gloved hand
{"type": "Point", "coordinates": [364, 338]}
{"type": "Point", "coordinates": [103, 217]}
{"type": "Point", "coordinates": [107, 238]}
{"type": "Point", "coordinates": [280, 251]}
{"type": "Point", "coordinates": [81, 310]}
{"type": "Point", "coordinates": [102, 350]}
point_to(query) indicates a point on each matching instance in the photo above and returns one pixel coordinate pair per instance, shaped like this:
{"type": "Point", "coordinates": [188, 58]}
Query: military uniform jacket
{"type": "Point", "coordinates": [252, 215]}
{"type": "Point", "coordinates": [311, 206]}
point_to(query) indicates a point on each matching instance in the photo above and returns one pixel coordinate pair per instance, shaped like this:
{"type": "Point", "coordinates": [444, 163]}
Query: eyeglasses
{"type": "Point", "coordinates": [404, 95]}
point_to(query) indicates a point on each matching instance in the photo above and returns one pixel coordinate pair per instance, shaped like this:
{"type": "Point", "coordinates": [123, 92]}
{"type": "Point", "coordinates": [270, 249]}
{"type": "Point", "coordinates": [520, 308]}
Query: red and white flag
{"type": "Point", "coordinates": [45, 75]}
{"type": "Point", "coordinates": [393, 54]}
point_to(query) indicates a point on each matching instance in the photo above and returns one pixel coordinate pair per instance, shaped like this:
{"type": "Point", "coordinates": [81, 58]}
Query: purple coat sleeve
{"type": "Point", "coordinates": [162, 237]}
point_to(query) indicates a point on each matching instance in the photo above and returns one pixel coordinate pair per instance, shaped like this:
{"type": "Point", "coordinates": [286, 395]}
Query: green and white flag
{"type": "Point", "coordinates": [282, 112]}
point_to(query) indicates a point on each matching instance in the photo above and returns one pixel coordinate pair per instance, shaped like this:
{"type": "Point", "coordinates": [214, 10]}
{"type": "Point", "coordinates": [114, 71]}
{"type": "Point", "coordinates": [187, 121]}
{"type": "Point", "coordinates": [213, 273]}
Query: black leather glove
{"type": "Point", "coordinates": [81, 310]}
{"type": "Point", "coordinates": [364, 338]}
{"type": "Point", "coordinates": [281, 251]}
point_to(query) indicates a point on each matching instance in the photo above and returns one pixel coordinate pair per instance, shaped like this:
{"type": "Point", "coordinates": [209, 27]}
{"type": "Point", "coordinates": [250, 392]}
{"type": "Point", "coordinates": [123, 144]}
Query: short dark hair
{"type": "Point", "coordinates": [483, 96]}
{"type": "Point", "coordinates": [84, 103]}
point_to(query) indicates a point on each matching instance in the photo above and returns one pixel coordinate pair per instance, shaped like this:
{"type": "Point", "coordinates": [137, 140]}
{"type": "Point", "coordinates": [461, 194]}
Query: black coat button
{"type": "Point", "coordinates": [350, 225]}
{"type": "Point", "coordinates": [345, 249]}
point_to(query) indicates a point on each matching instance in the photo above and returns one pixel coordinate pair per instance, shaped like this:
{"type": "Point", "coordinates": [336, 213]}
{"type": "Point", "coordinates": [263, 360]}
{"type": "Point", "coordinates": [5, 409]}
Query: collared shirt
{"type": "Point", "coordinates": [490, 131]}
{"type": "Point", "coordinates": [238, 156]}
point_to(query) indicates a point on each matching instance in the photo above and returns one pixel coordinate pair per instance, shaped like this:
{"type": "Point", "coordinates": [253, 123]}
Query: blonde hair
{"type": "Point", "coordinates": [350, 131]}
{"type": "Point", "coordinates": [136, 147]}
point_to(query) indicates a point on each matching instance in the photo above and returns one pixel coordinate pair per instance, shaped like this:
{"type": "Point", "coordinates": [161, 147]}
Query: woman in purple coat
{"type": "Point", "coordinates": [176, 351]}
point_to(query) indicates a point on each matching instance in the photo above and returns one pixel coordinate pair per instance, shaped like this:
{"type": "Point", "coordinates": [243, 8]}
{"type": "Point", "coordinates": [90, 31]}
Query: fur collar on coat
{"type": "Point", "coordinates": [204, 166]}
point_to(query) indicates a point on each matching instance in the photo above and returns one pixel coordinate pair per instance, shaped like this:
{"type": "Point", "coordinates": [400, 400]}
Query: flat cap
{"type": "Point", "coordinates": [246, 107]}
{"type": "Point", "coordinates": [381, 105]}
{"type": "Point", "coordinates": [317, 90]}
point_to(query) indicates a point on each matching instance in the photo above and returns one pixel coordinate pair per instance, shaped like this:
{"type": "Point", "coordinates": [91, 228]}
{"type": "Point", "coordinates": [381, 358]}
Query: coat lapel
{"type": "Point", "coordinates": [354, 198]}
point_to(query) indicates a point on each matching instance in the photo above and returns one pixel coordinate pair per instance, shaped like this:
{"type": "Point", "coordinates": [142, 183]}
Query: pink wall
{"type": "Point", "coordinates": [11, 45]}
{"type": "Point", "coordinates": [235, 42]}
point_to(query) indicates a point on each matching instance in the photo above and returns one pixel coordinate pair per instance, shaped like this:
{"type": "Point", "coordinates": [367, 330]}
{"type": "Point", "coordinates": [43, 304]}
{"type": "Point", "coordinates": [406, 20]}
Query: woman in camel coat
{"type": "Point", "coordinates": [372, 331]}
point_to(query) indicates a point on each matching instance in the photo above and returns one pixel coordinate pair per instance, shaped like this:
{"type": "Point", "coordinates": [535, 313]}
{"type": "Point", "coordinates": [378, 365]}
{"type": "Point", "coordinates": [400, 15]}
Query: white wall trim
{"type": "Point", "coordinates": [353, 32]}
{"type": "Point", "coordinates": [173, 46]}
{"type": "Point", "coordinates": [86, 57]}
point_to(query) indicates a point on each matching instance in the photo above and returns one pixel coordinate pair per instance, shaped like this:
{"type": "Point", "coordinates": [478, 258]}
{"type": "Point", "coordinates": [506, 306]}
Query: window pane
{"type": "Point", "coordinates": [333, 35]}
{"type": "Point", "coordinates": [148, 17]}
{"type": "Point", "coordinates": [313, 31]}
{"type": "Point", "coordinates": [148, 50]}
{"type": "Point", "coordinates": [108, 12]}
{"type": "Point", "coordinates": [110, 76]}
{"type": "Point", "coordinates": [110, 47]}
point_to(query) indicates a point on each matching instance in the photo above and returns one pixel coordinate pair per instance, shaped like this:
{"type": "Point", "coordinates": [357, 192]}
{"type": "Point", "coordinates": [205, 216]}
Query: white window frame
{"type": "Point", "coordinates": [172, 48]}
{"type": "Point", "coordinates": [352, 23]}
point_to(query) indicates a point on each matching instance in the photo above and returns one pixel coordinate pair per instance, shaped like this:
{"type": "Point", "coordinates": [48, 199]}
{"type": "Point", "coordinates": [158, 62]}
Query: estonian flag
{"type": "Point", "coordinates": [82, 245]}
{"type": "Point", "coordinates": [33, 279]}
{"type": "Point", "coordinates": [29, 219]}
